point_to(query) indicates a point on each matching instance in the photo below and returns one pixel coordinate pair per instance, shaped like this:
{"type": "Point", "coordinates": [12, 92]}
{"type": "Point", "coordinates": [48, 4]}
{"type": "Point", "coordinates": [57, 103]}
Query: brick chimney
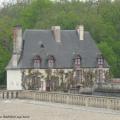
{"type": "Point", "coordinates": [56, 33]}
{"type": "Point", "coordinates": [80, 32]}
{"type": "Point", "coordinates": [17, 44]}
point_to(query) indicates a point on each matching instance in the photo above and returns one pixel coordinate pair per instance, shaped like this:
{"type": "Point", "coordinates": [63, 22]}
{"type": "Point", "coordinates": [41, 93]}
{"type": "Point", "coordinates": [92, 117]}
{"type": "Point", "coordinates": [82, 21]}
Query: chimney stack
{"type": "Point", "coordinates": [80, 32]}
{"type": "Point", "coordinates": [56, 33]}
{"type": "Point", "coordinates": [17, 44]}
{"type": "Point", "coordinates": [17, 39]}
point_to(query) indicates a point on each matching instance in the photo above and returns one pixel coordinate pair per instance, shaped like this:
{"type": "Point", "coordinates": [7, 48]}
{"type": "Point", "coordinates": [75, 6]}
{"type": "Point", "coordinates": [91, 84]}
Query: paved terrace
{"type": "Point", "coordinates": [36, 110]}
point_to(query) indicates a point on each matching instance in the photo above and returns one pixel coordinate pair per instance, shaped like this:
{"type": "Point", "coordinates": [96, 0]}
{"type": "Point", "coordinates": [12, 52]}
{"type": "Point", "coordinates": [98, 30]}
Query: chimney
{"type": "Point", "coordinates": [17, 39]}
{"type": "Point", "coordinates": [80, 32]}
{"type": "Point", "coordinates": [15, 60]}
{"type": "Point", "coordinates": [17, 44]}
{"type": "Point", "coordinates": [56, 33]}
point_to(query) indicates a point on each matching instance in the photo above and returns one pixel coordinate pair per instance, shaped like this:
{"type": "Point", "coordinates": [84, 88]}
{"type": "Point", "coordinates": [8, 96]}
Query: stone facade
{"type": "Point", "coordinates": [55, 79]}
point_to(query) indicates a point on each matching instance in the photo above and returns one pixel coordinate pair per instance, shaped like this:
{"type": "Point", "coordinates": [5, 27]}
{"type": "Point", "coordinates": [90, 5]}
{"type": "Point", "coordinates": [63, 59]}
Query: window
{"type": "Point", "coordinates": [100, 61]}
{"type": "Point", "coordinates": [79, 75]}
{"type": "Point", "coordinates": [100, 76]}
{"type": "Point", "coordinates": [37, 61]}
{"type": "Point", "coordinates": [77, 61]}
{"type": "Point", "coordinates": [51, 61]}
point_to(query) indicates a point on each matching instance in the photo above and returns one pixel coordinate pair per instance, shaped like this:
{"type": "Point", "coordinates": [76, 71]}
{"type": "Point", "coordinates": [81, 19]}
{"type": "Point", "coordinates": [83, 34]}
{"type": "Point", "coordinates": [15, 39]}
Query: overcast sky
{"type": "Point", "coordinates": [14, 0]}
{"type": "Point", "coordinates": [3, 1]}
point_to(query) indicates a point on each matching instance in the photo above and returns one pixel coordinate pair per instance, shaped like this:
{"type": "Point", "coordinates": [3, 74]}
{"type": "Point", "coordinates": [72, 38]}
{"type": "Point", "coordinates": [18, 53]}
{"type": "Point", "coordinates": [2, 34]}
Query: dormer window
{"type": "Point", "coordinates": [77, 61]}
{"type": "Point", "coordinates": [51, 61]}
{"type": "Point", "coordinates": [100, 61]}
{"type": "Point", "coordinates": [37, 61]}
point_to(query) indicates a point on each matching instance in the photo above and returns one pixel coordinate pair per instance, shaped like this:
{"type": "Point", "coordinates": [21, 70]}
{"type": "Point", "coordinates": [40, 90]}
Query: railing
{"type": "Point", "coordinates": [66, 98]}
{"type": "Point", "coordinates": [5, 94]}
{"type": "Point", "coordinates": [73, 99]}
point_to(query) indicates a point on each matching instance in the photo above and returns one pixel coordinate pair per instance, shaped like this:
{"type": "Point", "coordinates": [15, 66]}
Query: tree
{"type": "Point", "coordinates": [101, 19]}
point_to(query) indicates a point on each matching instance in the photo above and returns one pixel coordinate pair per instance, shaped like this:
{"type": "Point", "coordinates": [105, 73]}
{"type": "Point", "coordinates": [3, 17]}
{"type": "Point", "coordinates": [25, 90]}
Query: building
{"type": "Point", "coordinates": [54, 59]}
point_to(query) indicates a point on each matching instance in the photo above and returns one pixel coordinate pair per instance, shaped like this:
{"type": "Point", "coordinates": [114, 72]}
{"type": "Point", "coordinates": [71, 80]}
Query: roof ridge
{"type": "Point", "coordinates": [48, 30]}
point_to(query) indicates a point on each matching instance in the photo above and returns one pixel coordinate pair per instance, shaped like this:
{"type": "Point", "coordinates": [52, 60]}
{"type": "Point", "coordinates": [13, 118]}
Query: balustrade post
{"type": "Point", "coordinates": [108, 103]}
{"type": "Point", "coordinates": [5, 95]}
{"type": "Point", "coordinates": [1, 97]}
{"type": "Point", "coordinates": [9, 95]}
{"type": "Point", "coordinates": [118, 104]}
{"type": "Point", "coordinates": [34, 96]}
{"type": "Point", "coordinates": [86, 101]}
{"type": "Point", "coordinates": [67, 99]}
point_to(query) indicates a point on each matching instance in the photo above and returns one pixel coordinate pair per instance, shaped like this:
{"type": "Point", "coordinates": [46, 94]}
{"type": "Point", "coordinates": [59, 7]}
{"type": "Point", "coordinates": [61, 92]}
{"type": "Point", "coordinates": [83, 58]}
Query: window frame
{"type": "Point", "coordinates": [37, 61]}
{"type": "Point", "coordinates": [100, 61]}
{"type": "Point", "coordinates": [51, 61]}
{"type": "Point", "coordinates": [77, 62]}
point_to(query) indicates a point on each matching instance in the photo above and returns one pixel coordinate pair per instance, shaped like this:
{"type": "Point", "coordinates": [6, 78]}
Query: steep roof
{"type": "Point", "coordinates": [63, 52]}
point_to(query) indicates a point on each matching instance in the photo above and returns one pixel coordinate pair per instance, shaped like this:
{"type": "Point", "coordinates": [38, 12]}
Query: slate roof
{"type": "Point", "coordinates": [63, 52]}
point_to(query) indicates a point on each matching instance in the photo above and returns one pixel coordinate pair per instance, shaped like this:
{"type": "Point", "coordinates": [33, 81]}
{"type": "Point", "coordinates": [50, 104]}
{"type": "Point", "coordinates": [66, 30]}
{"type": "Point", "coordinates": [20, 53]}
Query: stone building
{"type": "Point", "coordinates": [54, 59]}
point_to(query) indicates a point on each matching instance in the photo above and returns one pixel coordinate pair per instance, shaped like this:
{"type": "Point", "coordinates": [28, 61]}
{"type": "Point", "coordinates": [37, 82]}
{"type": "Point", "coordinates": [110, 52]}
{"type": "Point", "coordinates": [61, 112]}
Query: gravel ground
{"type": "Point", "coordinates": [34, 110]}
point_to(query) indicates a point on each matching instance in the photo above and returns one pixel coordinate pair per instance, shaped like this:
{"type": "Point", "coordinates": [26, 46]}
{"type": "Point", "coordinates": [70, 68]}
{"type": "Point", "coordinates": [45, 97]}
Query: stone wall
{"type": "Point", "coordinates": [14, 80]}
{"type": "Point", "coordinates": [73, 99]}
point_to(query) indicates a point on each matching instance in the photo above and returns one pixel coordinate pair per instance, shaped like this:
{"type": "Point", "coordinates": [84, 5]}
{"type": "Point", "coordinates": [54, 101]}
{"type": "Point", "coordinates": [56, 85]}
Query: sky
{"type": "Point", "coordinates": [14, 0]}
{"type": "Point", "coordinates": [3, 1]}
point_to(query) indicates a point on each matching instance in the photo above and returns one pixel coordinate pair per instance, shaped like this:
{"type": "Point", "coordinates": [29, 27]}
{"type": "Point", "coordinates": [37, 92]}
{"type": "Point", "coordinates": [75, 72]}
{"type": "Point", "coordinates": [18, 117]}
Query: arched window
{"type": "Point", "coordinates": [100, 61]}
{"type": "Point", "coordinates": [37, 61]}
{"type": "Point", "coordinates": [51, 61]}
{"type": "Point", "coordinates": [77, 61]}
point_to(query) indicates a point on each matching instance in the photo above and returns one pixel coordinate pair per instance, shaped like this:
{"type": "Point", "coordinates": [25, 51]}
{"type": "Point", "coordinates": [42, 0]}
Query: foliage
{"type": "Point", "coordinates": [101, 18]}
{"type": "Point", "coordinates": [32, 80]}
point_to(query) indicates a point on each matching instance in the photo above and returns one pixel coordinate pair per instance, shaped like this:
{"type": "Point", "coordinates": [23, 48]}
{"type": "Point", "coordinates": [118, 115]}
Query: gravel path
{"type": "Point", "coordinates": [34, 110]}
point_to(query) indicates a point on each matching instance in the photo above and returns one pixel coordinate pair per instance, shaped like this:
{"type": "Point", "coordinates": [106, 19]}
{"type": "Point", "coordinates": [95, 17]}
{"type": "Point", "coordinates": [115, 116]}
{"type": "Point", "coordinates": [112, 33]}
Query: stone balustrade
{"type": "Point", "coordinates": [65, 98]}
{"type": "Point", "coordinates": [4, 94]}
{"type": "Point", "coordinates": [73, 99]}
